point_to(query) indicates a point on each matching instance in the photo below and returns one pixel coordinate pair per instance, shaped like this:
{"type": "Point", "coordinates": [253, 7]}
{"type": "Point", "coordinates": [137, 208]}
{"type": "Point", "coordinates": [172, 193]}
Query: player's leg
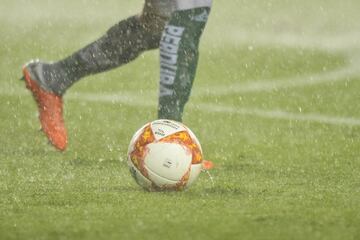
{"type": "Point", "coordinates": [179, 56]}
{"type": "Point", "coordinates": [121, 44]}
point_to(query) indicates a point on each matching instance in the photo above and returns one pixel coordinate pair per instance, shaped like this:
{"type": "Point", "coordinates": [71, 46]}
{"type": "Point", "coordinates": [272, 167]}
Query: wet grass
{"type": "Point", "coordinates": [274, 179]}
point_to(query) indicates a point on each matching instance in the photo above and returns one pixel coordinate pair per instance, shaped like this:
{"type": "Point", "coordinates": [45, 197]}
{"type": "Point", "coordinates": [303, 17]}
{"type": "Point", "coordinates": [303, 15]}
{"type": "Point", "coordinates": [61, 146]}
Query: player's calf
{"type": "Point", "coordinates": [178, 60]}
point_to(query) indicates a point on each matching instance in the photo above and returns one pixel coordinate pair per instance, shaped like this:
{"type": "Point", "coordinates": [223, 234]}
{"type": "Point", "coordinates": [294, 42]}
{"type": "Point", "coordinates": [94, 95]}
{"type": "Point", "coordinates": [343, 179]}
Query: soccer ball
{"type": "Point", "coordinates": [165, 155]}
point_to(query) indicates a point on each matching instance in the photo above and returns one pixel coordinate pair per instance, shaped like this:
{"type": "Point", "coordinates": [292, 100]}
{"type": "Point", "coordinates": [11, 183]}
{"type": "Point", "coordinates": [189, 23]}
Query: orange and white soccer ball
{"type": "Point", "coordinates": [165, 155]}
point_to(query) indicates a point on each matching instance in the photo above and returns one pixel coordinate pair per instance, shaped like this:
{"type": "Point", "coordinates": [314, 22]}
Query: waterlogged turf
{"type": "Point", "coordinates": [275, 106]}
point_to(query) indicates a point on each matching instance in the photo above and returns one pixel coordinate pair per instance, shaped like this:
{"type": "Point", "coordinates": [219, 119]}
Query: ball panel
{"type": "Point", "coordinates": [140, 149]}
{"type": "Point", "coordinates": [135, 137]}
{"type": "Point", "coordinates": [185, 139]}
{"type": "Point", "coordinates": [139, 178]}
{"type": "Point", "coordinates": [168, 160]}
{"type": "Point", "coordinates": [163, 128]}
{"type": "Point", "coordinates": [194, 138]}
{"type": "Point", "coordinates": [161, 184]}
{"type": "Point", "coordinates": [194, 173]}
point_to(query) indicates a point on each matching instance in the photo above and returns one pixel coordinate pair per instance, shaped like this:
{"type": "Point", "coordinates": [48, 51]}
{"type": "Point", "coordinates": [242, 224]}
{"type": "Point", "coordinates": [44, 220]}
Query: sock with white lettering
{"type": "Point", "coordinates": [178, 60]}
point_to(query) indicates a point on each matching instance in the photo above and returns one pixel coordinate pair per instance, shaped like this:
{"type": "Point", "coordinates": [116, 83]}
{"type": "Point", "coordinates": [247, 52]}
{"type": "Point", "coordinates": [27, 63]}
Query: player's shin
{"type": "Point", "coordinates": [121, 44]}
{"type": "Point", "coordinates": [178, 60]}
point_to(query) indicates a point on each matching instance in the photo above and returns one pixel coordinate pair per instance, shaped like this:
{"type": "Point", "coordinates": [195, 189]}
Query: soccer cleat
{"type": "Point", "coordinates": [50, 105]}
{"type": "Point", "coordinates": [207, 165]}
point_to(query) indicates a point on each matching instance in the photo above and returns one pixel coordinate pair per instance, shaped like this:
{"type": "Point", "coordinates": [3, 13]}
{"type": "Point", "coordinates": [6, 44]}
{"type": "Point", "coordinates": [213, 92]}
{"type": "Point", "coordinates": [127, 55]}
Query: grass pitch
{"type": "Point", "coordinates": [275, 106]}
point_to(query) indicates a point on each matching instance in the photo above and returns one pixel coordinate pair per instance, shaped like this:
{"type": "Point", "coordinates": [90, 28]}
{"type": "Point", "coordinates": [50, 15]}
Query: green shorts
{"type": "Point", "coordinates": [166, 7]}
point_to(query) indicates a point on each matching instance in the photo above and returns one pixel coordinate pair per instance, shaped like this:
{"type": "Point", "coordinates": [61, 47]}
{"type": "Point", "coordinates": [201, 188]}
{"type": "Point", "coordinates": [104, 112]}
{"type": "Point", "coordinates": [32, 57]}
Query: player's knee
{"type": "Point", "coordinates": [153, 26]}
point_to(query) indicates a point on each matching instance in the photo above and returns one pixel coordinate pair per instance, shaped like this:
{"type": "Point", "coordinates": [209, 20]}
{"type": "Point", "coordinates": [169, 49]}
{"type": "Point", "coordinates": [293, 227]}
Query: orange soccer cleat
{"type": "Point", "coordinates": [207, 165]}
{"type": "Point", "coordinates": [50, 106]}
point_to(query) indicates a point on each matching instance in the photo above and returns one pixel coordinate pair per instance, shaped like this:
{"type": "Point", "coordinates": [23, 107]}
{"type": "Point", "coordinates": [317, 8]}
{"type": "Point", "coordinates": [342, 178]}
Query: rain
{"type": "Point", "coordinates": [179, 119]}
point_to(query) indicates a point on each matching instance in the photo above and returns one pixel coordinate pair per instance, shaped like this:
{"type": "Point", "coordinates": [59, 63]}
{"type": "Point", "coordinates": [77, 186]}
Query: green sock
{"type": "Point", "coordinates": [178, 60]}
